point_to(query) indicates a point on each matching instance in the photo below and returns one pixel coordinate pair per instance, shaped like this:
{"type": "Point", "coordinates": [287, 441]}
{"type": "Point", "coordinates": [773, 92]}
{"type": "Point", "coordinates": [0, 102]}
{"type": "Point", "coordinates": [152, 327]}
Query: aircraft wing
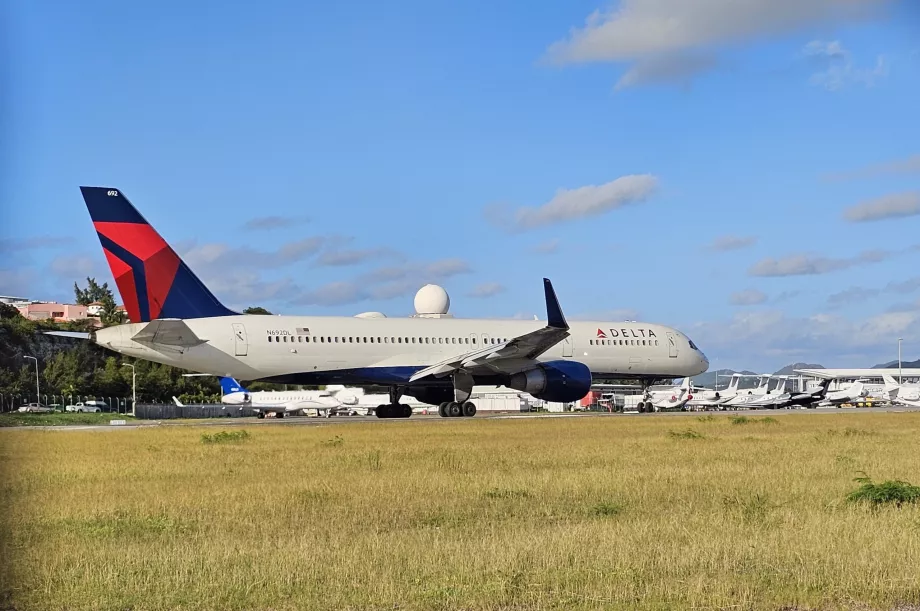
{"type": "Point", "coordinates": [168, 332]}
{"type": "Point", "coordinates": [511, 356]}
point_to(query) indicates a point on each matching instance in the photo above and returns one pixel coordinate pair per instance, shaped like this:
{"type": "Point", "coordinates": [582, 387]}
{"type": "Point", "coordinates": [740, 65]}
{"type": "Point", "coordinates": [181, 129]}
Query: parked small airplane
{"type": "Point", "coordinates": [660, 398]}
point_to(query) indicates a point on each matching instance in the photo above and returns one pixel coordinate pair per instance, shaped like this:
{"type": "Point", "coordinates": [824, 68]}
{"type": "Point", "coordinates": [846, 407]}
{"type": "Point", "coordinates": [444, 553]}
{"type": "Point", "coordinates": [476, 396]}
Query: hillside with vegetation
{"type": "Point", "coordinates": [75, 369]}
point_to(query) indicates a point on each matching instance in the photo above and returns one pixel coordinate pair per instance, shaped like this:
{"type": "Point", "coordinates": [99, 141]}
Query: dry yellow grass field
{"type": "Point", "coordinates": [576, 513]}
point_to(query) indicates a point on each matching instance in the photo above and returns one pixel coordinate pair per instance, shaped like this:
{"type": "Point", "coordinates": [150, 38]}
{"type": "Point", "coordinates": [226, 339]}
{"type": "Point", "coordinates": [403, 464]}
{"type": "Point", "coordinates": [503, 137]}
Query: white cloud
{"type": "Point", "coordinates": [78, 266]}
{"type": "Point", "coordinates": [858, 294]}
{"type": "Point", "coordinates": [341, 258]}
{"type": "Point", "coordinates": [666, 69]}
{"type": "Point", "coordinates": [583, 202]}
{"type": "Point", "coordinates": [820, 48]}
{"type": "Point", "coordinates": [265, 223]}
{"type": "Point", "coordinates": [838, 69]}
{"type": "Point", "coordinates": [223, 257]}
{"type": "Point", "coordinates": [854, 294]}
{"type": "Point", "coordinates": [896, 205]}
{"type": "Point", "coordinates": [662, 32]}
{"type": "Point", "coordinates": [748, 297]}
{"type": "Point", "coordinates": [487, 289]}
{"type": "Point", "coordinates": [242, 288]}
{"type": "Point", "coordinates": [548, 247]}
{"type": "Point", "coordinates": [615, 315]}
{"type": "Point", "coordinates": [807, 265]}
{"type": "Point", "coordinates": [12, 245]}
{"type": "Point", "coordinates": [731, 242]}
{"type": "Point", "coordinates": [908, 165]}
{"type": "Point", "coordinates": [831, 339]}
{"type": "Point", "coordinates": [19, 282]}
{"type": "Point", "coordinates": [384, 283]}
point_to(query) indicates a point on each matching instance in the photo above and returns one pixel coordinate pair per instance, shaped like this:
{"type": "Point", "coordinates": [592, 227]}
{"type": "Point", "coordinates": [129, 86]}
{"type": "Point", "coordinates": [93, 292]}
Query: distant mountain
{"type": "Point", "coordinates": [789, 370]}
{"type": "Point", "coordinates": [894, 365]}
{"type": "Point", "coordinates": [708, 379]}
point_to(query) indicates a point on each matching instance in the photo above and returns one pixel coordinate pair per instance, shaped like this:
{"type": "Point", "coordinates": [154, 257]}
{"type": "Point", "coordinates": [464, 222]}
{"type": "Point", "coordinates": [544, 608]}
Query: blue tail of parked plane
{"type": "Point", "coordinates": [230, 385]}
{"type": "Point", "coordinates": [152, 280]}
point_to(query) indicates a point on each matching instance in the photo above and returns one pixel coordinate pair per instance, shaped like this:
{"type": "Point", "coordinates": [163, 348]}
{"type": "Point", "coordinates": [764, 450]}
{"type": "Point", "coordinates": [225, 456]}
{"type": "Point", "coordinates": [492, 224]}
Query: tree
{"type": "Point", "coordinates": [111, 315]}
{"type": "Point", "coordinates": [256, 310]}
{"type": "Point", "coordinates": [8, 311]}
{"type": "Point", "coordinates": [93, 292]}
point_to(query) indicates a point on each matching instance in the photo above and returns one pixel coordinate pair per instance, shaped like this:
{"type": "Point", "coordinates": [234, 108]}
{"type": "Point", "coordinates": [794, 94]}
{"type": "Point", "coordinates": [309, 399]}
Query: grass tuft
{"type": "Point", "coordinates": [607, 509]}
{"type": "Point", "coordinates": [893, 492]}
{"type": "Point", "coordinates": [750, 506]}
{"type": "Point", "coordinates": [686, 434]}
{"type": "Point", "coordinates": [334, 442]}
{"type": "Point", "coordinates": [501, 493]}
{"type": "Point", "coordinates": [747, 420]}
{"type": "Point", "coordinates": [706, 418]}
{"type": "Point", "coordinates": [225, 437]}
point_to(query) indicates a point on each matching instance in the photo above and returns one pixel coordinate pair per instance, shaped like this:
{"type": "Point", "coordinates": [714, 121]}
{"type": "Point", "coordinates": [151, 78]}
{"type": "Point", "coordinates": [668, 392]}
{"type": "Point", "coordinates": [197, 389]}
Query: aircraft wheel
{"type": "Point", "coordinates": [382, 411]}
{"type": "Point", "coordinates": [454, 409]}
{"type": "Point", "coordinates": [279, 414]}
{"type": "Point", "coordinates": [469, 409]}
{"type": "Point", "coordinates": [405, 411]}
{"type": "Point", "coordinates": [442, 409]}
{"type": "Point", "coordinates": [641, 407]}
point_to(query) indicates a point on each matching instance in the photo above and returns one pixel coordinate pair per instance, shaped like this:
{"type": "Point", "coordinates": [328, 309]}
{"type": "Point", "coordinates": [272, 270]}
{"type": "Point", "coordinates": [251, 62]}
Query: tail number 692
{"type": "Point", "coordinates": [112, 193]}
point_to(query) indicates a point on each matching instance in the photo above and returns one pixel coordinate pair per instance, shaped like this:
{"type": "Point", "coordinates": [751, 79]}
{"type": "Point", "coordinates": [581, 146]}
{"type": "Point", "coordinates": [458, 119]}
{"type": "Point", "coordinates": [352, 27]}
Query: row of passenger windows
{"type": "Point", "coordinates": [384, 340]}
{"type": "Point", "coordinates": [622, 342]}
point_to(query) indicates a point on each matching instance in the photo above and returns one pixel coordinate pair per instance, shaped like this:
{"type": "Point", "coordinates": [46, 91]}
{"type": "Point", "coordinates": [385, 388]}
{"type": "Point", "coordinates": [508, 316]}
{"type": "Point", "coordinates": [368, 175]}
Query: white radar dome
{"type": "Point", "coordinates": [432, 299]}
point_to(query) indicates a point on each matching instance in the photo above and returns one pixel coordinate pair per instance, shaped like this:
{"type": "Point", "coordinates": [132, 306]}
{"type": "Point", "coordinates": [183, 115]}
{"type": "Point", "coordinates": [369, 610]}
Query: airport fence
{"type": "Point", "coordinates": [168, 411]}
{"type": "Point", "coordinates": [12, 402]}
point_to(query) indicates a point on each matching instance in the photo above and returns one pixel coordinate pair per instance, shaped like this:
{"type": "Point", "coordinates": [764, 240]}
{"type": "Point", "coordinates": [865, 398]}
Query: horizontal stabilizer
{"type": "Point", "coordinates": [70, 334]}
{"type": "Point", "coordinates": [168, 332]}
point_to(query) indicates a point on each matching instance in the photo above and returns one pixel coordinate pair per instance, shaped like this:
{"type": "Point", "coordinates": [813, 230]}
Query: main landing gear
{"type": "Point", "coordinates": [454, 409]}
{"type": "Point", "coordinates": [395, 409]}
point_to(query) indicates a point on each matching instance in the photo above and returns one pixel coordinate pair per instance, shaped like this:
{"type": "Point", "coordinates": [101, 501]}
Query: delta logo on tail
{"type": "Point", "coordinates": [152, 280]}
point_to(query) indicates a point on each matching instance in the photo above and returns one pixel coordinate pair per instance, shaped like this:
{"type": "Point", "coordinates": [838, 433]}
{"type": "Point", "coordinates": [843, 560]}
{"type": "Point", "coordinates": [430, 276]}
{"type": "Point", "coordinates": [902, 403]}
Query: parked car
{"type": "Point", "coordinates": [85, 407]}
{"type": "Point", "coordinates": [35, 408]}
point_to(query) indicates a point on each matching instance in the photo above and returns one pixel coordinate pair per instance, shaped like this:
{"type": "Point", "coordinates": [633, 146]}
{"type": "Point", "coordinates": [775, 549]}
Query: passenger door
{"type": "Point", "coordinates": [672, 345]}
{"type": "Point", "coordinates": [241, 343]}
{"type": "Point", "coordinates": [567, 347]}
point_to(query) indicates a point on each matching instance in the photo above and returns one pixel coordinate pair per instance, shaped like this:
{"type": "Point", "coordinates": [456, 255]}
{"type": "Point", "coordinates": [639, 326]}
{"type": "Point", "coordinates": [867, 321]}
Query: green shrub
{"type": "Point", "coordinates": [891, 491]}
{"type": "Point", "coordinates": [334, 442]}
{"type": "Point", "coordinates": [687, 434]}
{"type": "Point", "coordinates": [225, 437]}
{"type": "Point", "coordinates": [607, 509]}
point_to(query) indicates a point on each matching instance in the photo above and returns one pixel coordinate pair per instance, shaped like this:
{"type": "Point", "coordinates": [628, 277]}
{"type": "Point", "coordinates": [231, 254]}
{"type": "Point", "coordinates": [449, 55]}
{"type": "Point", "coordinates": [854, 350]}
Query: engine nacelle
{"type": "Point", "coordinates": [557, 381]}
{"type": "Point", "coordinates": [431, 395]}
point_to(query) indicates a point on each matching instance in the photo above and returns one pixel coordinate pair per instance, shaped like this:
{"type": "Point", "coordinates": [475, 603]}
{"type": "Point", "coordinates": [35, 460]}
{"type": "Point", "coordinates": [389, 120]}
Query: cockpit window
{"type": "Point", "coordinates": [692, 345]}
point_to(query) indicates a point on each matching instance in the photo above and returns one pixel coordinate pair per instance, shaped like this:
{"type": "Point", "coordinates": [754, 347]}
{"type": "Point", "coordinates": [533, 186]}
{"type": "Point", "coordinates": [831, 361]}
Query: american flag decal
{"type": "Point", "coordinates": [303, 331]}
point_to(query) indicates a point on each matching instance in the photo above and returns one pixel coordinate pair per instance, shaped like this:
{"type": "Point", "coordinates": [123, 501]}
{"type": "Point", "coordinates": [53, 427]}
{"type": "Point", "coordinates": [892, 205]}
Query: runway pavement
{"type": "Point", "coordinates": [345, 420]}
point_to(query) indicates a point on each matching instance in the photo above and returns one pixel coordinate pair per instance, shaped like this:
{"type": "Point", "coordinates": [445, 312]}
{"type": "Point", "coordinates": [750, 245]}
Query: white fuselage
{"type": "Point", "coordinates": [351, 350]}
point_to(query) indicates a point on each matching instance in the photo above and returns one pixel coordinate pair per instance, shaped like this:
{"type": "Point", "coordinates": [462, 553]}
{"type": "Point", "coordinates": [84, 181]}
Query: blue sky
{"type": "Point", "coordinates": [747, 173]}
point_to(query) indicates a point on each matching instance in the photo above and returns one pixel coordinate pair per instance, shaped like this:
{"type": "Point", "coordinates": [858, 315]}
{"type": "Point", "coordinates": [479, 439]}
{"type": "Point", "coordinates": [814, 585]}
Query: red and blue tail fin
{"type": "Point", "coordinates": [153, 281]}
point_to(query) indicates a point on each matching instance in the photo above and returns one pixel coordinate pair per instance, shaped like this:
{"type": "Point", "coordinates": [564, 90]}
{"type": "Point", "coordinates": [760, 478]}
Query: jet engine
{"type": "Point", "coordinates": [559, 381]}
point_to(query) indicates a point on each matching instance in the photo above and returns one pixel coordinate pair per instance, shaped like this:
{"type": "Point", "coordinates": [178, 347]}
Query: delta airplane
{"type": "Point", "coordinates": [178, 321]}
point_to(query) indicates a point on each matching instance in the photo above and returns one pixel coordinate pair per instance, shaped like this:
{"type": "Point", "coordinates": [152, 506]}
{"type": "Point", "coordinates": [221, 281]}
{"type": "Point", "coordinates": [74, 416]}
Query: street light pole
{"type": "Point", "coordinates": [899, 360]}
{"type": "Point", "coordinates": [38, 397]}
{"type": "Point", "coordinates": [133, 385]}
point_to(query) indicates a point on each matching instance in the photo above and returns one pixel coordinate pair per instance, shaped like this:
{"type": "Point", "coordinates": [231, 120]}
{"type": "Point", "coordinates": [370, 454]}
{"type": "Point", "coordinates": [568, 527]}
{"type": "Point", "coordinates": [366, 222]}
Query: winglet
{"type": "Point", "coordinates": [554, 317]}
